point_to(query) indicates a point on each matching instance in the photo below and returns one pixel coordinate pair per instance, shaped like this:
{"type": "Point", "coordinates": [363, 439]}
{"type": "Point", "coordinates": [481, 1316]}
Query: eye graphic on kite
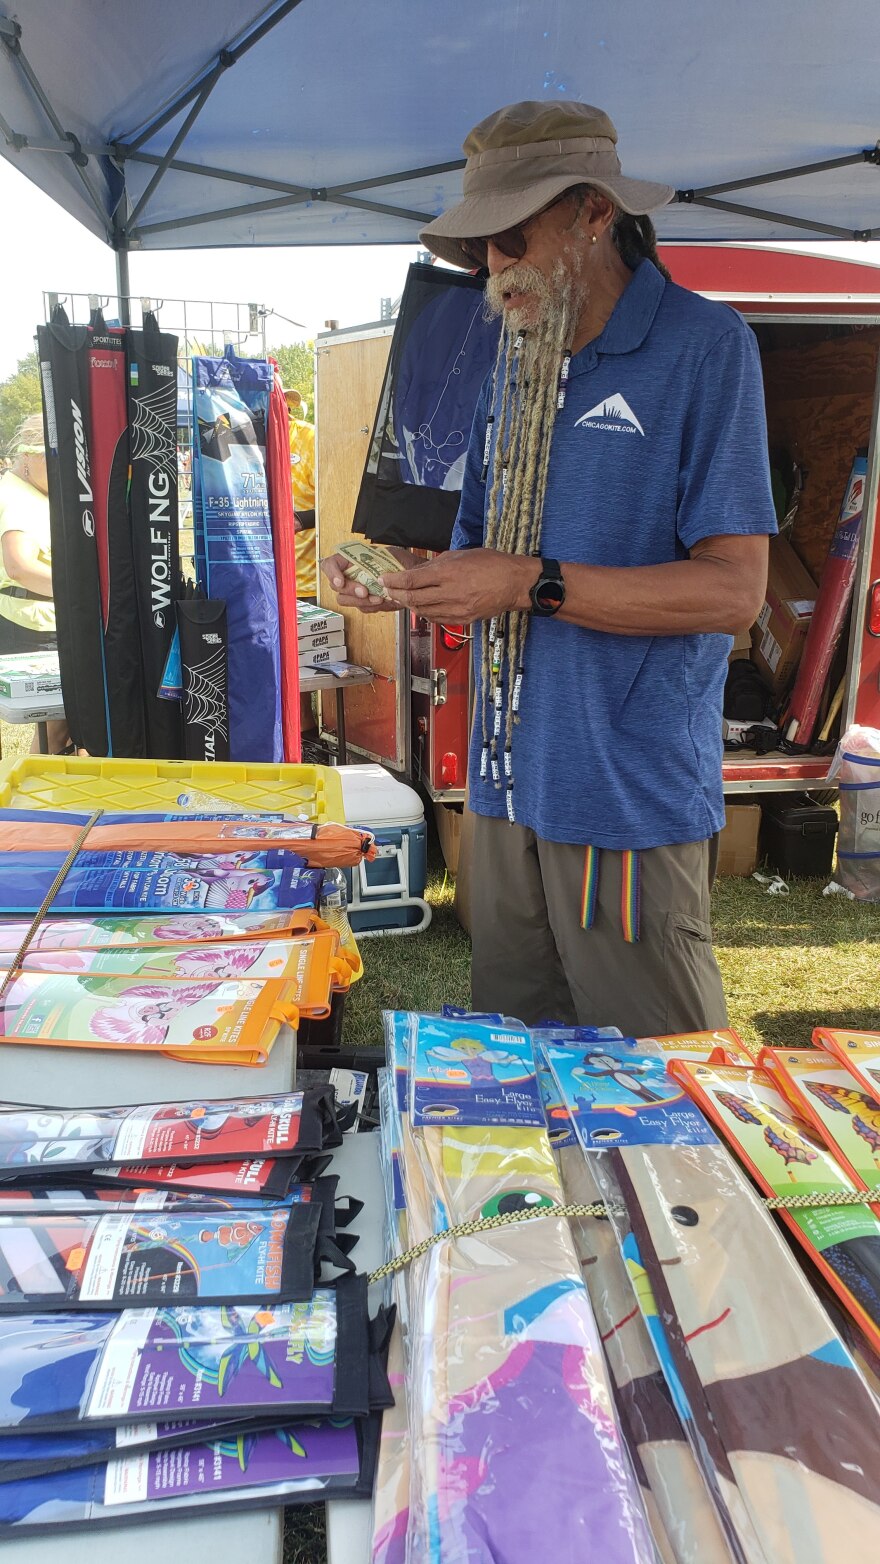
{"type": "Point", "coordinates": [515, 1200]}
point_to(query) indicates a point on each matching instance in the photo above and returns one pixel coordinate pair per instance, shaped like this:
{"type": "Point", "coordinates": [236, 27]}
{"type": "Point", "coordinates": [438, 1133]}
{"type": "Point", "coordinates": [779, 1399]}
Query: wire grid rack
{"type": "Point", "coordinates": [204, 328]}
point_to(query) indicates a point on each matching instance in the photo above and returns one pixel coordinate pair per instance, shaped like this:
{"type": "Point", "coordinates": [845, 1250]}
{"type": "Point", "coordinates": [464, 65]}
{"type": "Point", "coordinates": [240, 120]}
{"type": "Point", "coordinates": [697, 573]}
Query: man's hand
{"type": "Point", "coordinates": [466, 585]}
{"type": "Point", "coordinates": [351, 595]}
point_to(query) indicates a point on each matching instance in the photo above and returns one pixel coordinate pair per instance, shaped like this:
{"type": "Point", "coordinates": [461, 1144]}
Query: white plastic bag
{"type": "Point", "coordinates": [856, 769]}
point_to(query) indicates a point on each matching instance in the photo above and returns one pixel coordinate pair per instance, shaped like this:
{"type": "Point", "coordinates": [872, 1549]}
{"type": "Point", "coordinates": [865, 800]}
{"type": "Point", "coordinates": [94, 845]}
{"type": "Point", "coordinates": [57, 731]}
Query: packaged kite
{"type": "Point", "coordinates": [859, 1052]}
{"type": "Point", "coordinates": [780, 1422]}
{"type": "Point", "coordinates": [89, 1261]}
{"type": "Point", "coordinates": [283, 1125]}
{"type": "Point", "coordinates": [295, 1464]}
{"type": "Point", "coordinates": [233, 1022]}
{"type": "Point", "coordinates": [70, 933]}
{"type": "Point", "coordinates": [509, 1395]}
{"type": "Point", "coordinates": [143, 882]}
{"type": "Point", "coordinates": [315, 1358]}
{"type": "Point", "coordinates": [321, 846]}
{"type": "Point", "coordinates": [785, 1157]}
{"type": "Point", "coordinates": [722, 1047]}
{"type": "Point", "coordinates": [459, 1065]}
{"type": "Point", "coordinates": [682, 1517]}
{"type": "Point", "coordinates": [260, 1177]}
{"type": "Point", "coordinates": [829, 1099]}
{"type": "Point", "coordinates": [332, 1246]}
{"type": "Point", "coordinates": [309, 965]}
{"type": "Point", "coordinates": [32, 1455]}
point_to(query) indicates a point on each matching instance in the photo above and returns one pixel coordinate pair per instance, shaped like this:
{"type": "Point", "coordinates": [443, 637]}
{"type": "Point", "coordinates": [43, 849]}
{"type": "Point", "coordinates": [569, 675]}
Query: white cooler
{"type": "Point", "coordinates": [387, 895]}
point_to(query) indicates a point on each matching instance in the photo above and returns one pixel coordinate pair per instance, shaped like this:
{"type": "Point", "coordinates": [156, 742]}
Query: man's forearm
{"type": "Point", "coordinates": [685, 597]}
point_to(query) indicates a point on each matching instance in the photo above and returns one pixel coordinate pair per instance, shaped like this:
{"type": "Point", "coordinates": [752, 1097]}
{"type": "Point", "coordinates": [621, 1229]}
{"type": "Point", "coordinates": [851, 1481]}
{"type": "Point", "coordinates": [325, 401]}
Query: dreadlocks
{"type": "Point", "coordinates": [531, 371]}
{"type": "Point", "coordinates": [530, 374]}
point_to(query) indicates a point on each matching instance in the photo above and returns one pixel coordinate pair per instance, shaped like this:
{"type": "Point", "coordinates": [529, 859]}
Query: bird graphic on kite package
{"type": "Point", "coordinates": [781, 1133]}
{"type": "Point", "coordinates": [862, 1109]}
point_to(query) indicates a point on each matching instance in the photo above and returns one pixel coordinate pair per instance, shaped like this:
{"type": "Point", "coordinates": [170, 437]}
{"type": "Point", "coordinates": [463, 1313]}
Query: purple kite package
{"type": "Point", "coordinates": [62, 1372]}
{"type": "Point", "coordinates": [297, 1462]}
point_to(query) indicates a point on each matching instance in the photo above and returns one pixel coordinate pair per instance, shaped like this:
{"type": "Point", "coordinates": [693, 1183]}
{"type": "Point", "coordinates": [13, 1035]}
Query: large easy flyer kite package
{"type": "Point", "coordinates": [780, 1422]}
{"type": "Point", "coordinates": [508, 1390]}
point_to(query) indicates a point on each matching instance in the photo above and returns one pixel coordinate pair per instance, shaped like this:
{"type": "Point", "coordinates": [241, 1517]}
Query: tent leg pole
{"type": "Point", "coordinates": [123, 286]}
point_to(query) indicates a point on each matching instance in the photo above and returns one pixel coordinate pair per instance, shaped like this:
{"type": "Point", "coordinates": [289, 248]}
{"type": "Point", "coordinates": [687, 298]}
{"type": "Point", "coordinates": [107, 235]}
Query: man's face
{"type": "Point", "coordinates": [528, 291]}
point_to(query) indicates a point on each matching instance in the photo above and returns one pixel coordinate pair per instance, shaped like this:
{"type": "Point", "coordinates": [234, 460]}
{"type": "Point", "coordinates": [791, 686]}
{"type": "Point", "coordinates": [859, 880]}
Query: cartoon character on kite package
{"type": "Point", "coordinates": [180, 929]}
{"type": "Point", "coordinates": [214, 1345]}
{"type": "Point", "coordinates": [144, 1012]}
{"type": "Point", "coordinates": [473, 1060]}
{"type": "Point", "coordinates": [864, 1111]}
{"type": "Point", "coordinates": [202, 961]}
{"type": "Point", "coordinates": [783, 1132]}
{"type": "Point", "coordinates": [209, 1120]}
{"type": "Point", "coordinates": [603, 1067]}
{"type": "Point", "coordinates": [56, 1137]}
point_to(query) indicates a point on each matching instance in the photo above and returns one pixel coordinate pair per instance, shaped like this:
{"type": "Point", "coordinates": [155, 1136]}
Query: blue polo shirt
{"type": "Point", "coordinates": [662, 442]}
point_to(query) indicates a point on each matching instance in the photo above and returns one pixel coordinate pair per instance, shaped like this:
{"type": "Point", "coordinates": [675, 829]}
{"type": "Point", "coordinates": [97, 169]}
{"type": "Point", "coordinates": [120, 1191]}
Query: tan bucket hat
{"type": "Point", "coordinates": [521, 158]}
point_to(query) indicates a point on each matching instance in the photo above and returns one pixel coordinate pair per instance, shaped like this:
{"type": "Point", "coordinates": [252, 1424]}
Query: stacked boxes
{"type": "Point", "coordinates": [321, 636]}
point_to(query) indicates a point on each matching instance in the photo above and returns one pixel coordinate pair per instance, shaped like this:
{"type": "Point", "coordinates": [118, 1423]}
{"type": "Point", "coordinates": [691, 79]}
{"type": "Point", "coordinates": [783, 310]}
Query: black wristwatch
{"type": "Point", "coordinates": [548, 592]}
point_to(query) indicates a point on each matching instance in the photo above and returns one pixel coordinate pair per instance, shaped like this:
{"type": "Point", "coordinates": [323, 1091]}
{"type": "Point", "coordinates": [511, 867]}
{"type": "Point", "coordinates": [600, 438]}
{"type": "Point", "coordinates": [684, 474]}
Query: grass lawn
{"type": "Point", "coordinates": [789, 963]}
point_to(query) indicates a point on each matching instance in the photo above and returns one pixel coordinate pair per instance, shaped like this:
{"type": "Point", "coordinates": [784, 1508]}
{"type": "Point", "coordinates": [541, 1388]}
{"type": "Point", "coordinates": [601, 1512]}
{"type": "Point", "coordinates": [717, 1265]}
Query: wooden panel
{"type": "Point", "coordinates": [349, 383]}
{"type": "Point", "coordinates": [819, 401]}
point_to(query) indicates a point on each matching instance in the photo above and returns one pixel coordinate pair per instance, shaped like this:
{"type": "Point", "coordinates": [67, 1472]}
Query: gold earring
{"type": "Point", "coordinates": [593, 239]}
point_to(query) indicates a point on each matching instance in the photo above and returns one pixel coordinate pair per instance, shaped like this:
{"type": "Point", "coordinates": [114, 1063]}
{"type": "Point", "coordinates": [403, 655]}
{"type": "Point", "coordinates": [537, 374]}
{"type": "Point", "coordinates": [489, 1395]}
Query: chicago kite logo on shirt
{"type": "Point", "coordinates": [614, 413]}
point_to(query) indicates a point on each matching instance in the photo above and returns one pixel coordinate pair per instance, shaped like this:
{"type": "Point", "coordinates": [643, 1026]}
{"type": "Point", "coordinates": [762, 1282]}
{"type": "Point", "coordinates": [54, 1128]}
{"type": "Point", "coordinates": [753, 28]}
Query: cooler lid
{"type": "Point", "coordinates": [374, 797]}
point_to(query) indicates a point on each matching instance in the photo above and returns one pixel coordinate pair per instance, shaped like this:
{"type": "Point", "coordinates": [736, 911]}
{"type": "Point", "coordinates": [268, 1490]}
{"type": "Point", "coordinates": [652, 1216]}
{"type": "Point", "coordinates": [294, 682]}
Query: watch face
{"type": "Point", "coordinates": [548, 595]}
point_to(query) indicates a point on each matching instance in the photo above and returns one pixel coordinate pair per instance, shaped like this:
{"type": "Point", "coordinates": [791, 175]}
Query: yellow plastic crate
{"type": "Point", "coordinates": [153, 786]}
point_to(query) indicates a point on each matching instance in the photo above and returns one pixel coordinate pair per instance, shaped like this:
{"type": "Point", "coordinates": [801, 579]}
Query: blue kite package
{"type": "Point", "coordinates": [468, 1072]}
{"type": "Point", "coordinates": [232, 527]}
{"type": "Point", "coordinates": [559, 1126]}
{"type": "Point", "coordinates": [160, 882]}
{"type": "Point", "coordinates": [617, 1096]}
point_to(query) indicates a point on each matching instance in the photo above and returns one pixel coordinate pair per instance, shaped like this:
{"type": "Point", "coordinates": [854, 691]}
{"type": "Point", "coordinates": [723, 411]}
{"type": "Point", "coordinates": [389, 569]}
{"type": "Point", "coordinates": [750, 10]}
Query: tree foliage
{"type": "Point", "coordinates": [19, 396]}
{"type": "Point", "coordinates": [297, 363]}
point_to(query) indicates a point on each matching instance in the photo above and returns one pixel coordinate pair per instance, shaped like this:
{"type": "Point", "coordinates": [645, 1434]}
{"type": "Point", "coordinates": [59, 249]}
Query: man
{"type": "Point", "coordinates": [612, 536]}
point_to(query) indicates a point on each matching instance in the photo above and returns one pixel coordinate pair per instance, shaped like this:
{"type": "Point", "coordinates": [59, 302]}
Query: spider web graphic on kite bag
{"type": "Point", "coordinates": [153, 428]}
{"type": "Point", "coordinates": [205, 693]}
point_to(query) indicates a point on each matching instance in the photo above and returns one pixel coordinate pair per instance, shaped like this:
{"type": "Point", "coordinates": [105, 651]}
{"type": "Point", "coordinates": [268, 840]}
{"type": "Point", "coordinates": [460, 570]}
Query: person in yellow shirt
{"type": "Point", "coordinates": [27, 612]}
{"type": "Point", "coordinates": [302, 483]}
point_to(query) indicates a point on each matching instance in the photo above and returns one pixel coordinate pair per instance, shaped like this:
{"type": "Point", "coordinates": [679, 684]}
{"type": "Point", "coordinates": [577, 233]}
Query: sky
{"type": "Point", "coordinates": [44, 249]}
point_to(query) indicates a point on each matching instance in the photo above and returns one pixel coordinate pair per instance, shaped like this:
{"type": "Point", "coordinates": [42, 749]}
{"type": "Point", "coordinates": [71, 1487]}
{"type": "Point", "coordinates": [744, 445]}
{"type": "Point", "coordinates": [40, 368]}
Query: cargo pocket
{"type": "Point", "coordinates": [694, 992]}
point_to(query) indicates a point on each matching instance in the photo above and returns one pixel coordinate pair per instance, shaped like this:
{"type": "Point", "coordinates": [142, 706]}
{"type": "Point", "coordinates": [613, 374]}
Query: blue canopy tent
{"type": "Point", "coordinates": [311, 122]}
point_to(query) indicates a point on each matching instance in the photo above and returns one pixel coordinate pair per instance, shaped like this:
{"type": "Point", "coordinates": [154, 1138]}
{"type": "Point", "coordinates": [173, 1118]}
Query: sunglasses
{"type": "Point", "coordinates": [512, 242]}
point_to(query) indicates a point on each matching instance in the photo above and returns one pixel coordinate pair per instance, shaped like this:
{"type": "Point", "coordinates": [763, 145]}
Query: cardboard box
{"type": "Point", "coordinates": [742, 646]}
{"type": "Point", "coordinates": [738, 844]}
{"type": "Point", "coordinates": [317, 621]}
{"type": "Point", "coordinates": [779, 635]}
{"type": "Point", "coordinates": [322, 654]}
{"type": "Point", "coordinates": [448, 818]}
{"type": "Point", "coordinates": [321, 640]}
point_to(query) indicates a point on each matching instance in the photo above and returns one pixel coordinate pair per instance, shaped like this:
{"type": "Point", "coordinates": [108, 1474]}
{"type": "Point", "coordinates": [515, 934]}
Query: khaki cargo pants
{"type": "Point", "coordinates": [532, 959]}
